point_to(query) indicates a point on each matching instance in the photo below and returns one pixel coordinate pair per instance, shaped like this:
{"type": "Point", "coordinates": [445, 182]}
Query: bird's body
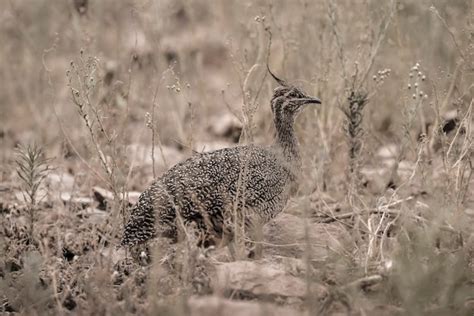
{"type": "Point", "coordinates": [208, 190]}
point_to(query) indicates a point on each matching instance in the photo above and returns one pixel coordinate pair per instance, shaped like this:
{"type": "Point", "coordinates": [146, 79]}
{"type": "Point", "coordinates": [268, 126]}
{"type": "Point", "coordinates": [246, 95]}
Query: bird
{"type": "Point", "coordinates": [208, 189]}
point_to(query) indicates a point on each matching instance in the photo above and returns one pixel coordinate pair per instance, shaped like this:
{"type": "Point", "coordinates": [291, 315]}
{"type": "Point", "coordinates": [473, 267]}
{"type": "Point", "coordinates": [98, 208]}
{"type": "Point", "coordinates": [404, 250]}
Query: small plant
{"type": "Point", "coordinates": [32, 169]}
{"type": "Point", "coordinates": [354, 115]}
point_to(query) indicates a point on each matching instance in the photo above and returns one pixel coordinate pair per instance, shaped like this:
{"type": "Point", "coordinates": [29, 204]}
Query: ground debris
{"type": "Point", "coordinates": [253, 279]}
{"type": "Point", "coordinates": [213, 305]}
{"type": "Point", "coordinates": [287, 236]}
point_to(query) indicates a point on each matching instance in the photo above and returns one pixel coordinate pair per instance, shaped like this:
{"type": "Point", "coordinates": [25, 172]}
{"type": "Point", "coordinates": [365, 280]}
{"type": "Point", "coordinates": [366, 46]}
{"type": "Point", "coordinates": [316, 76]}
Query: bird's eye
{"type": "Point", "coordinates": [296, 94]}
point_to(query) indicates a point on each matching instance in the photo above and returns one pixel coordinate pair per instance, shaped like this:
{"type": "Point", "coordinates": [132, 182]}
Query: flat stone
{"type": "Point", "coordinates": [217, 306]}
{"type": "Point", "coordinates": [104, 196]}
{"type": "Point", "coordinates": [62, 182]}
{"type": "Point", "coordinates": [390, 151]}
{"type": "Point", "coordinates": [79, 201]}
{"type": "Point", "coordinates": [469, 212]}
{"type": "Point", "coordinates": [226, 125]}
{"type": "Point", "coordinates": [261, 280]}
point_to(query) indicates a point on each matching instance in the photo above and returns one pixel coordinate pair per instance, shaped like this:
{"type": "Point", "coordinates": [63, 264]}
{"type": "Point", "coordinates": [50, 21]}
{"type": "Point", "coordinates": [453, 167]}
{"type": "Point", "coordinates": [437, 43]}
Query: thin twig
{"type": "Point", "coordinates": [82, 159]}
{"type": "Point", "coordinates": [340, 51]}
{"type": "Point", "coordinates": [446, 26]}
{"type": "Point", "coordinates": [383, 31]}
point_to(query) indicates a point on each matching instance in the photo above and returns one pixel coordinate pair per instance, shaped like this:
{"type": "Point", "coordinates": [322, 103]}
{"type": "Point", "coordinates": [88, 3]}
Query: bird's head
{"type": "Point", "coordinates": [288, 101]}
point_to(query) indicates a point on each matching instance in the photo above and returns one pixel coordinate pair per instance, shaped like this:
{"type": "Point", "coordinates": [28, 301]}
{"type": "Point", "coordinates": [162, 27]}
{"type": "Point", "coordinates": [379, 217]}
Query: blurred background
{"type": "Point", "coordinates": [207, 50]}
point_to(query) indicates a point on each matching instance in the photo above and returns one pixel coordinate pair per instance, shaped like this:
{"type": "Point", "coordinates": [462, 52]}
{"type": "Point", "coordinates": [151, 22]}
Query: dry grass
{"type": "Point", "coordinates": [117, 92]}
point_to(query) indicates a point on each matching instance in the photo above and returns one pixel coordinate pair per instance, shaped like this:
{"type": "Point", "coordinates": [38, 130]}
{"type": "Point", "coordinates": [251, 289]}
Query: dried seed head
{"type": "Point", "coordinates": [148, 120]}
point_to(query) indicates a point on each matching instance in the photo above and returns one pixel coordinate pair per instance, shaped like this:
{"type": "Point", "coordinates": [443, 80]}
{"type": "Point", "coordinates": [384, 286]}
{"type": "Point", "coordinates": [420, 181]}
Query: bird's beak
{"type": "Point", "coordinates": [310, 100]}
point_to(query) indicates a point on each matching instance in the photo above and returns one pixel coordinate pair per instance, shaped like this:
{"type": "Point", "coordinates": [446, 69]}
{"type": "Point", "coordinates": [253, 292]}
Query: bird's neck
{"type": "Point", "coordinates": [286, 139]}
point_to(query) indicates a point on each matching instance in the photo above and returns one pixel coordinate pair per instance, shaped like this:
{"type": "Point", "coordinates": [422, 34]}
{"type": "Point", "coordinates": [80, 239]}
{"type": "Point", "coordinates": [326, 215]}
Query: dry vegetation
{"type": "Point", "coordinates": [100, 97]}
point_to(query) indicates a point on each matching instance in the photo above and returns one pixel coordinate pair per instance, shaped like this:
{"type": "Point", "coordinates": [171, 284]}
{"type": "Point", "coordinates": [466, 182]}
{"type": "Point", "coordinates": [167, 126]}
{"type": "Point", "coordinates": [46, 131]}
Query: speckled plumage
{"type": "Point", "coordinates": [253, 181]}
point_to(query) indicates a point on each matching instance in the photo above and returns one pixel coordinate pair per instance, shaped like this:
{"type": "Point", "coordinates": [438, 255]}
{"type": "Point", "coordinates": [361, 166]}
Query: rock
{"type": "Point", "coordinates": [469, 212]}
{"type": "Point", "coordinates": [388, 152]}
{"type": "Point", "coordinates": [216, 306]}
{"type": "Point", "coordinates": [104, 196]}
{"type": "Point", "coordinates": [406, 169]}
{"type": "Point", "coordinates": [253, 279]}
{"type": "Point", "coordinates": [203, 147]}
{"type": "Point", "coordinates": [12, 265]}
{"type": "Point", "coordinates": [93, 214]}
{"type": "Point", "coordinates": [294, 266]}
{"type": "Point", "coordinates": [287, 229]}
{"type": "Point", "coordinates": [101, 194]}
{"type": "Point", "coordinates": [80, 202]}
{"type": "Point", "coordinates": [386, 310]}
{"type": "Point", "coordinates": [113, 254]}
{"type": "Point", "coordinates": [376, 179]}
{"type": "Point", "coordinates": [227, 126]}
{"type": "Point", "coordinates": [132, 196]}
{"type": "Point", "coordinates": [60, 182]}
